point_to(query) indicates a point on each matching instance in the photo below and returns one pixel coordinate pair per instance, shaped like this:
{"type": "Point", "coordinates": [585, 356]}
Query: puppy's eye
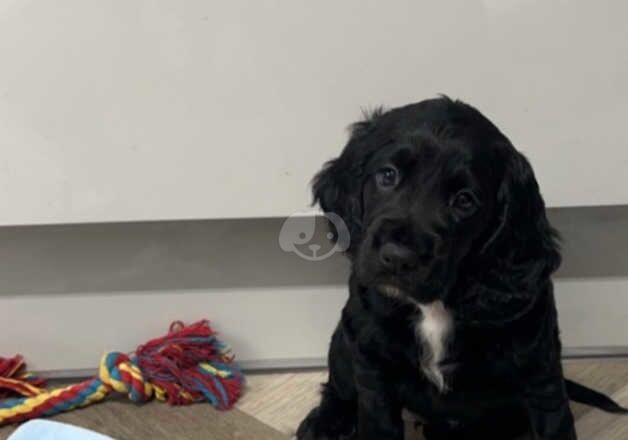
{"type": "Point", "coordinates": [387, 177]}
{"type": "Point", "coordinates": [465, 202]}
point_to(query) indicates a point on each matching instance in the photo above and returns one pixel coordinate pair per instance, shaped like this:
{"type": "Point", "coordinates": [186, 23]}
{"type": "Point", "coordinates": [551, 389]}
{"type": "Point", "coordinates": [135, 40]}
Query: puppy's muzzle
{"type": "Point", "coordinates": [398, 258]}
{"type": "Point", "coordinates": [401, 251]}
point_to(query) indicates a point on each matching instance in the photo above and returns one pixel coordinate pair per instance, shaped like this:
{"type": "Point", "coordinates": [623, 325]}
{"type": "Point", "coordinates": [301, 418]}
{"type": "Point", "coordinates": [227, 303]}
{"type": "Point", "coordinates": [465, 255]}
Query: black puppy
{"type": "Point", "coordinates": [451, 311]}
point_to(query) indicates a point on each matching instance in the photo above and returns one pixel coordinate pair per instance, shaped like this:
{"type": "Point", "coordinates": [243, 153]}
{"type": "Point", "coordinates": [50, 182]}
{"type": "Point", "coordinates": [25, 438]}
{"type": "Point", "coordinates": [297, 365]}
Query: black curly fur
{"type": "Point", "coordinates": [491, 269]}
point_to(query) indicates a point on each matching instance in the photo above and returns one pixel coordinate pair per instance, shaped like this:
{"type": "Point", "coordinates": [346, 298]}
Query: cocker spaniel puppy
{"type": "Point", "coordinates": [451, 311]}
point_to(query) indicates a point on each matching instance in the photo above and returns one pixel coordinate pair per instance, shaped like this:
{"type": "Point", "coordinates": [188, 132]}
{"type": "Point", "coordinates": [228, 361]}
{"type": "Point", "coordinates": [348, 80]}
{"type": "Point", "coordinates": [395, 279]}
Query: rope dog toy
{"type": "Point", "coordinates": [187, 365]}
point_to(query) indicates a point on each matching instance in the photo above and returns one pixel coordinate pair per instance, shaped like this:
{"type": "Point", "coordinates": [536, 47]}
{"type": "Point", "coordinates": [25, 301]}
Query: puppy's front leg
{"type": "Point", "coordinates": [548, 408]}
{"type": "Point", "coordinates": [379, 411]}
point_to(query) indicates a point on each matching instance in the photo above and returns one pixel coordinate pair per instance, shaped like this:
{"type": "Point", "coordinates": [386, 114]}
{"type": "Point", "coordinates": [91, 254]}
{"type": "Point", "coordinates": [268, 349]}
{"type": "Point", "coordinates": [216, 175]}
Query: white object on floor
{"type": "Point", "coordinates": [48, 430]}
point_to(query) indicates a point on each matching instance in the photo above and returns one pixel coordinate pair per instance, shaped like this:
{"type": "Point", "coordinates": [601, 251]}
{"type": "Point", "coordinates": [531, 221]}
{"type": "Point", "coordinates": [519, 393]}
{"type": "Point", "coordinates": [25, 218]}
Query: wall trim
{"type": "Point", "coordinates": [276, 365]}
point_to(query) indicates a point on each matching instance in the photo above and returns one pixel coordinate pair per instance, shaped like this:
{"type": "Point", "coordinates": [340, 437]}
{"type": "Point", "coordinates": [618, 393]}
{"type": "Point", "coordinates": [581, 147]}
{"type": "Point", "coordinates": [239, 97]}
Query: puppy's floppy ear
{"type": "Point", "coordinates": [523, 234]}
{"type": "Point", "coordinates": [337, 188]}
{"type": "Point", "coordinates": [520, 255]}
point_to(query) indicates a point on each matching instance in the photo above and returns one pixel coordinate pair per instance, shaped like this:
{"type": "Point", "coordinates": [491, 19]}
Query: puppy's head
{"type": "Point", "coordinates": [434, 195]}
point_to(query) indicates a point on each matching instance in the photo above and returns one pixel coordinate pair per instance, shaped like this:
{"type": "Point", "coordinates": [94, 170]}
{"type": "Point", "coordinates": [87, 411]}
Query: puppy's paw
{"type": "Point", "coordinates": [317, 426]}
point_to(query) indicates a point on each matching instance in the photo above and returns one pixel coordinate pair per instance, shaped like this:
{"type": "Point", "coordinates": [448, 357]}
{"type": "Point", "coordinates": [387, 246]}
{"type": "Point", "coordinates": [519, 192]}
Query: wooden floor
{"type": "Point", "coordinates": [275, 403]}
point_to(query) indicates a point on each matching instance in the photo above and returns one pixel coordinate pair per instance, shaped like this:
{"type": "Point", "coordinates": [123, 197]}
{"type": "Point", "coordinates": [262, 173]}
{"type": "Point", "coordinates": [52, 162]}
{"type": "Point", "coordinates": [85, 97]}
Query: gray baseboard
{"type": "Point", "coordinates": [595, 352]}
{"type": "Point", "coordinates": [277, 365]}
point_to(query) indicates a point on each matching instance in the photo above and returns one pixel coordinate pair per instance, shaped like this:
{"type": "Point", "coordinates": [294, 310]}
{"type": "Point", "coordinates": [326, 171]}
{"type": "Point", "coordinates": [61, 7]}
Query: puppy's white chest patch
{"type": "Point", "coordinates": [433, 329]}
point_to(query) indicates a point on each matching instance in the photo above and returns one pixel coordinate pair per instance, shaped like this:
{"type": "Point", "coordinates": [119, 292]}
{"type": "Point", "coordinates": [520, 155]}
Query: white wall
{"type": "Point", "coordinates": [143, 110]}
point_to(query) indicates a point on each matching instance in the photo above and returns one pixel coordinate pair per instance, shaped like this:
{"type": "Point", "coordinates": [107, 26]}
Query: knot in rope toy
{"type": "Point", "coordinates": [118, 372]}
{"type": "Point", "coordinates": [187, 365]}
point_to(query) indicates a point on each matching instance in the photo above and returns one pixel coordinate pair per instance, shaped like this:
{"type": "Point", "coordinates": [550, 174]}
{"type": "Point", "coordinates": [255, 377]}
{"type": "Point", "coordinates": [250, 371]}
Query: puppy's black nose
{"type": "Point", "coordinates": [397, 257]}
